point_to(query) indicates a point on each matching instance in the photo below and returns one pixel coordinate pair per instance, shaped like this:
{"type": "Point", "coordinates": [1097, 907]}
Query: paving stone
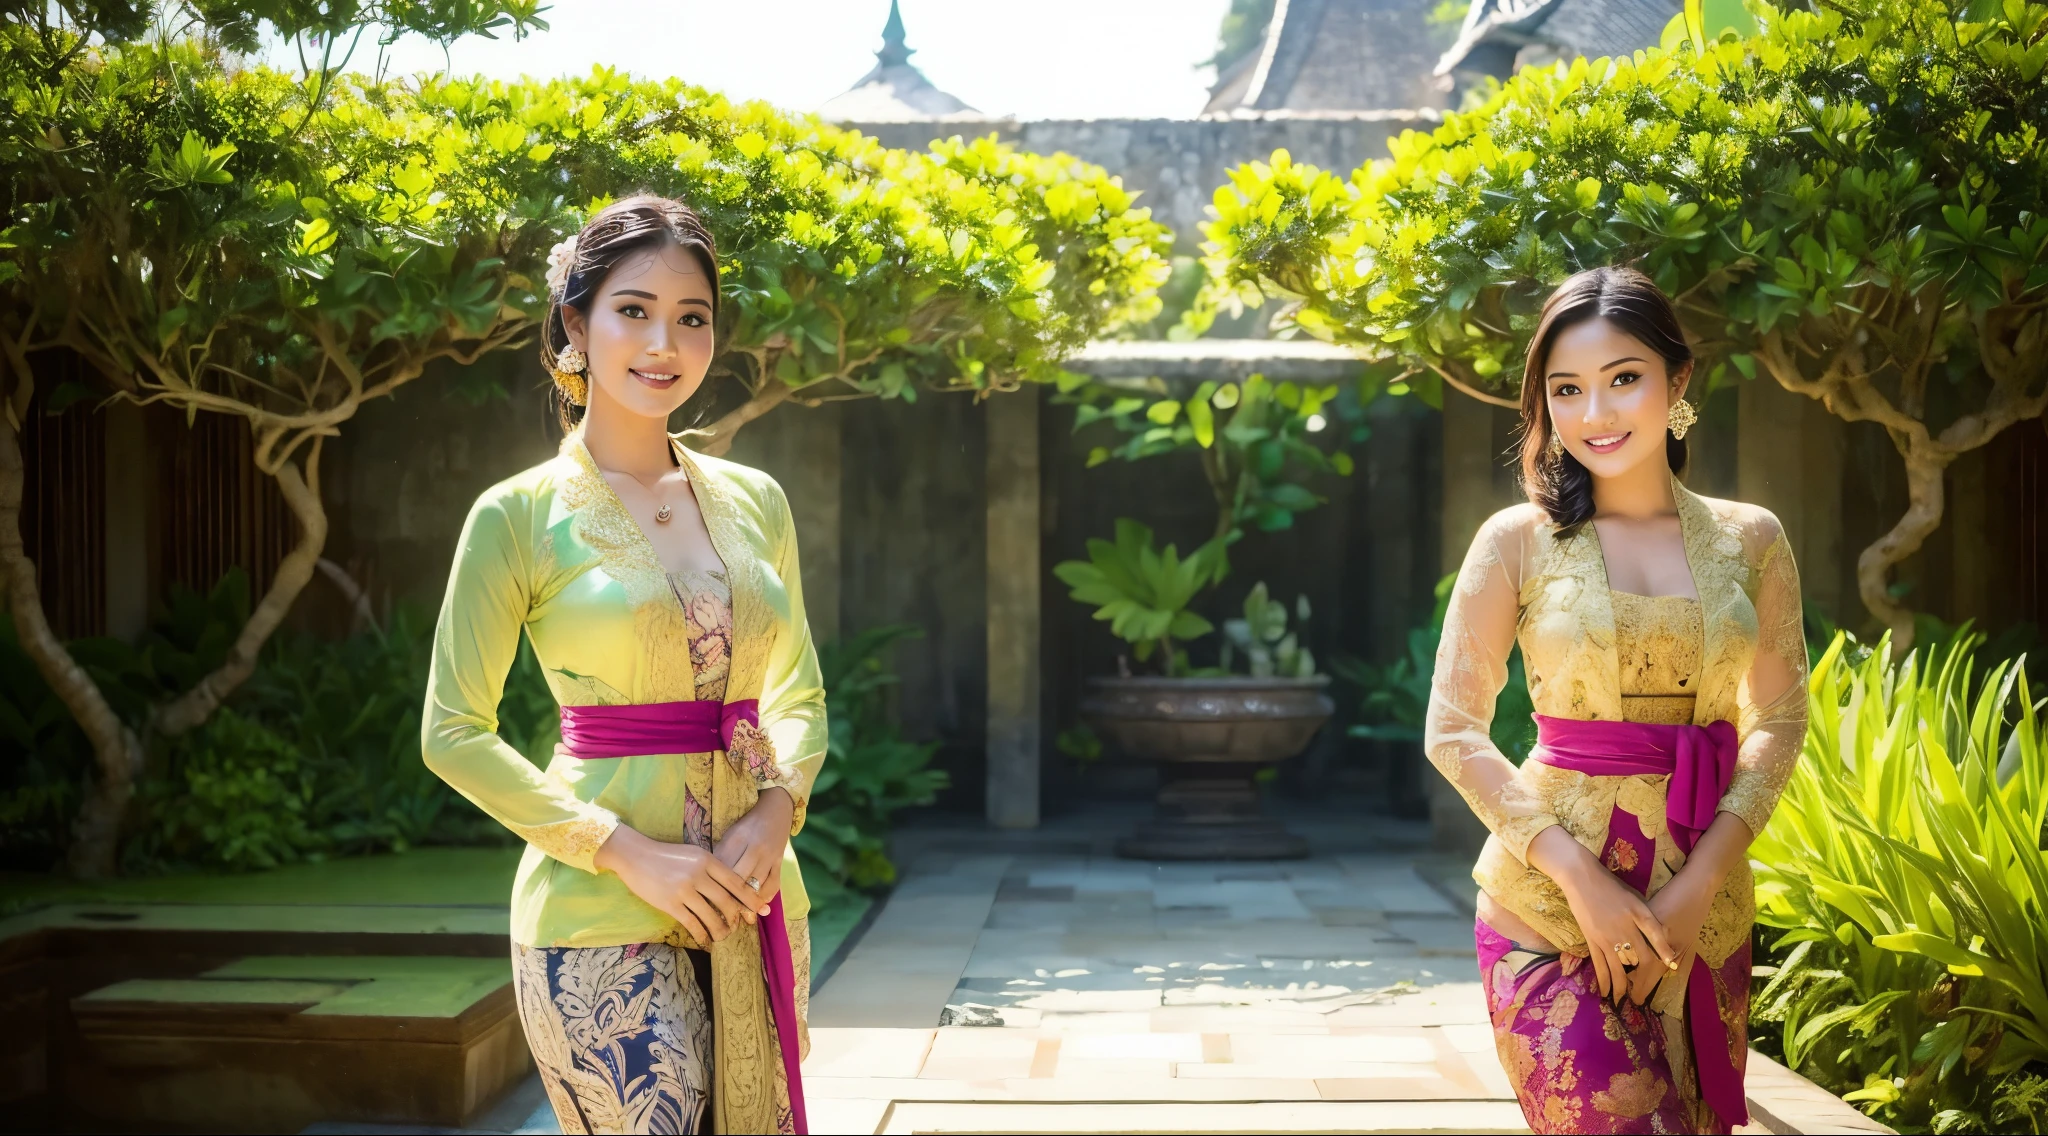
{"type": "Point", "coordinates": [961, 1053]}
{"type": "Point", "coordinates": [856, 1052]}
{"type": "Point", "coordinates": [1332, 994]}
{"type": "Point", "coordinates": [1147, 1045]}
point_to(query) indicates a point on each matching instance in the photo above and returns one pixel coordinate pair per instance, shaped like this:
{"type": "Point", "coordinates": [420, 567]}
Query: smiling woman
{"type": "Point", "coordinates": [1661, 637]}
{"type": "Point", "coordinates": [658, 964]}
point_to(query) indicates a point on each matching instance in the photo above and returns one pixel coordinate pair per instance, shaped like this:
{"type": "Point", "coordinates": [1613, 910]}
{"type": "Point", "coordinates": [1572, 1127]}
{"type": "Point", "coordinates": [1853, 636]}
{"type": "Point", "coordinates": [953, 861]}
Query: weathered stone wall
{"type": "Point", "coordinates": [1178, 163]}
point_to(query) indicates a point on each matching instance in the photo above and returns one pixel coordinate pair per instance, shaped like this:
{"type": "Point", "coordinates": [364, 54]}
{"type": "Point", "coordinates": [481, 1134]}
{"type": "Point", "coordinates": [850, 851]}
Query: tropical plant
{"type": "Point", "coordinates": [1848, 203]}
{"type": "Point", "coordinates": [1905, 878]}
{"type": "Point", "coordinates": [1394, 699]}
{"type": "Point", "coordinates": [870, 773]}
{"type": "Point", "coordinates": [1269, 648]}
{"type": "Point", "coordinates": [1257, 440]}
{"type": "Point", "coordinates": [1143, 592]}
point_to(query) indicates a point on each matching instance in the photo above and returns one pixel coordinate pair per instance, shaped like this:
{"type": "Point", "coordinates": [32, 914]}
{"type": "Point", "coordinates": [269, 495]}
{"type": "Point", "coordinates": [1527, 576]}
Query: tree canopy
{"type": "Point", "coordinates": [227, 239]}
{"type": "Point", "coordinates": [1849, 203]}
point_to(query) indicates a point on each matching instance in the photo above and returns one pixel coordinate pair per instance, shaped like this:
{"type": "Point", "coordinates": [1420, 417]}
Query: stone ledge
{"type": "Point", "coordinates": [1218, 360]}
{"type": "Point", "coordinates": [1783, 1102]}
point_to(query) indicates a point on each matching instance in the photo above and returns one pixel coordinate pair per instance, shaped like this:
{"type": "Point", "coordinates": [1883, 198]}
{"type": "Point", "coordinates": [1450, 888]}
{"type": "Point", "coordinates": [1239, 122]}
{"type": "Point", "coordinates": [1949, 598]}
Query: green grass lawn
{"type": "Point", "coordinates": [465, 876]}
{"type": "Point", "coordinates": [470, 877]}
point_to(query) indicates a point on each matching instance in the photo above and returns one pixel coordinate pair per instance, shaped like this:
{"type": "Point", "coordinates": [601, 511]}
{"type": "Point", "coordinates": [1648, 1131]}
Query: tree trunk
{"type": "Point", "coordinates": [1925, 496]}
{"type": "Point", "coordinates": [117, 751]}
{"type": "Point", "coordinates": [716, 439]}
{"type": "Point", "coordinates": [301, 492]}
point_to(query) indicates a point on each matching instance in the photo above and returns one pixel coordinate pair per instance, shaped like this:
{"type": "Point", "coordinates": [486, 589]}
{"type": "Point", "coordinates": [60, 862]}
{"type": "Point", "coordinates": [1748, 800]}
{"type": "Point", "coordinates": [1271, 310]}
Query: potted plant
{"type": "Point", "coordinates": [1212, 730]}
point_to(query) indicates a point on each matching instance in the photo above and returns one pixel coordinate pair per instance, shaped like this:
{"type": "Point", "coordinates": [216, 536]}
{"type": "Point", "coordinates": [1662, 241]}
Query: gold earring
{"type": "Point", "coordinates": [574, 387]}
{"type": "Point", "coordinates": [1555, 449]}
{"type": "Point", "coordinates": [570, 360]}
{"type": "Point", "coordinates": [1681, 418]}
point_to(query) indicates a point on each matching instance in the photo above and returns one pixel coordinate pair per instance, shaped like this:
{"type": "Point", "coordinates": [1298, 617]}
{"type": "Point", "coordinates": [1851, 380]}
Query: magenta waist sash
{"type": "Point", "coordinates": [700, 727]}
{"type": "Point", "coordinates": [1701, 762]}
{"type": "Point", "coordinates": [660, 727]}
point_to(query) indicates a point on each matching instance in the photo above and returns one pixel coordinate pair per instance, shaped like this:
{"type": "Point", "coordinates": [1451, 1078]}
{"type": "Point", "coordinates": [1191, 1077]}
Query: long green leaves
{"type": "Point", "coordinates": [1143, 592]}
{"type": "Point", "coordinates": [1905, 867]}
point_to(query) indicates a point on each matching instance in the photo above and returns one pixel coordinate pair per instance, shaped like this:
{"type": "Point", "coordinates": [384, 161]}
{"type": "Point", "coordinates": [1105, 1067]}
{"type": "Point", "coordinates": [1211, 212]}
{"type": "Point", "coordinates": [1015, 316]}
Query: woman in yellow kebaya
{"type": "Point", "coordinates": [660, 945]}
{"type": "Point", "coordinates": [1661, 635]}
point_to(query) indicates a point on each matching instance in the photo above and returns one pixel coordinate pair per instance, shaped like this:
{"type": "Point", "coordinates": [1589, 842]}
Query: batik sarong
{"type": "Point", "coordinates": [1579, 1063]}
{"type": "Point", "coordinates": [621, 1036]}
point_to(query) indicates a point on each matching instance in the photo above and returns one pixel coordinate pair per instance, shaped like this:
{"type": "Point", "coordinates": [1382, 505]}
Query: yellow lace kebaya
{"type": "Point", "coordinates": [553, 553]}
{"type": "Point", "coordinates": [1738, 655]}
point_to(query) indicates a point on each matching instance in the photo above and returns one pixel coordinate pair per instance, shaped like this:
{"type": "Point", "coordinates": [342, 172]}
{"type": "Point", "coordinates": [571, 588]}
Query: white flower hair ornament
{"type": "Point", "coordinates": [561, 262]}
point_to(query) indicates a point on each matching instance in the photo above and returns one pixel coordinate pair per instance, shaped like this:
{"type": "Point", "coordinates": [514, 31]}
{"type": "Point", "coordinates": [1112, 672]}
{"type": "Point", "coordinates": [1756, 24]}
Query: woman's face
{"type": "Point", "coordinates": [647, 337]}
{"type": "Point", "coordinates": [1610, 396]}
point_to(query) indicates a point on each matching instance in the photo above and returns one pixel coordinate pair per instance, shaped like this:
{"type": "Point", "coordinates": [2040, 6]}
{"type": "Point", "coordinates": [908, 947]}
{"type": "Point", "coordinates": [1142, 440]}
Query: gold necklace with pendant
{"type": "Point", "coordinates": [665, 514]}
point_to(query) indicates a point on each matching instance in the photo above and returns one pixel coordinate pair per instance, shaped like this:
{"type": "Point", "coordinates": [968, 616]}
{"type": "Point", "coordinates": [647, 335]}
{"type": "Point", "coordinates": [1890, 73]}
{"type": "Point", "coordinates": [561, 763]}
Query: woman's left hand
{"type": "Point", "coordinates": [1681, 905]}
{"type": "Point", "coordinates": [753, 846]}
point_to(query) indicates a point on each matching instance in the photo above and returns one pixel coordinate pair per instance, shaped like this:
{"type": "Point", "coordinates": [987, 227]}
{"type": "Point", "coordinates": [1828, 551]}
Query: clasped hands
{"type": "Point", "coordinates": [1631, 943]}
{"type": "Point", "coordinates": [709, 893]}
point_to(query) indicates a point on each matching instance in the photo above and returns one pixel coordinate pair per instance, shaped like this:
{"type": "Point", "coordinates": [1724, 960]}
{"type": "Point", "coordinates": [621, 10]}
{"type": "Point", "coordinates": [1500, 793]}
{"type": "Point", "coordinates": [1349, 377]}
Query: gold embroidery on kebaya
{"type": "Point", "coordinates": [1574, 632]}
{"type": "Point", "coordinates": [572, 841]}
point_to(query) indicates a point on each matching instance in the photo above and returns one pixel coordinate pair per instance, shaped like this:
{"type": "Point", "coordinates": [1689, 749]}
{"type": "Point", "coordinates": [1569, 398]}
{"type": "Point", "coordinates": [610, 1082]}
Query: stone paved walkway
{"type": "Point", "coordinates": [1036, 983]}
{"type": "Point", "coordinates": [1057, 988]}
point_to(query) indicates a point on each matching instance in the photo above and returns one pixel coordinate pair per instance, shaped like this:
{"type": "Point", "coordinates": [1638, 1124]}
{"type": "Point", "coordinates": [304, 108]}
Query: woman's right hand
{"type": "Point", "coordinates": [1608, 911]}
{"type": "Point", "coordinates": [690, 884]}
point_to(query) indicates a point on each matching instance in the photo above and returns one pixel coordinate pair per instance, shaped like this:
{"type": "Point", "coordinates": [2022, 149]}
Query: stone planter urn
{"type": "Point", "coordinates": [1210, 737]}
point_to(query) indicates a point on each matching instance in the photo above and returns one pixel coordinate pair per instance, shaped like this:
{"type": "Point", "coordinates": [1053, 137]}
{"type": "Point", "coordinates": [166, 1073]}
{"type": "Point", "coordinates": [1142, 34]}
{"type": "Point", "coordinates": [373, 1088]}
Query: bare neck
{"type": "Point", "coordinates": [1639, 494]}
{"type": "Point", "coordinates": [621, 441]}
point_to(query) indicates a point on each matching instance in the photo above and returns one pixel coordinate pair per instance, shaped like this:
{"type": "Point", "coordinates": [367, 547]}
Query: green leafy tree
{"type": "Point", "coordinates": [213, 238]}
{"type": "Point", "coordinates": [170, 223]}
{"type": "Point", "coordinates": [1849, 203]}
{"type": "Point", "coordinates": [854, 270]}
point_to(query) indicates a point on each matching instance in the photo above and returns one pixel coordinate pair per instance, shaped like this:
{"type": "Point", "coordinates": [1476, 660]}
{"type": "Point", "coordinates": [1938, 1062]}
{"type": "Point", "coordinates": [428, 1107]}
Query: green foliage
{"type": "Point", "coordinates": [1269, 648]}
{"type": "Point", "coordinates": [1257, 441]}
{"type": "Point", "coordinates": [1823, 173]}
{"type": "Point", "coordinates": [1849, 203]}
{"type": "Point", "coordinates": [207, 236]}
{"type": "Point", "coordinates": [1904, 868]}
{"type": "Point", "coordinates": [317, 755]}
{"type": "Point", "coordinates": [52, 33]}
{"type": "Point", "coordinates": [1143, 592]}
{"type": "Point", "coordinates": [43, 754]}
{"type": "Point", "coordinates": [870, 774]}
{"type": "Point", "coordinates": [969, 266]}
{"type": "Point", "coordinates": [170, 221]}
{"type": "Point", "coordinates": [1394, 699]}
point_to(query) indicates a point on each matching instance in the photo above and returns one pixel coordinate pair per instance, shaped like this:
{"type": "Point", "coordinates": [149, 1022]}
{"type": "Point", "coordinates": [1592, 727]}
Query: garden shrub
{"type": "Point", "coordinates": [1902, 891]}
{"type": "Point", "coordinates": [870, 773]}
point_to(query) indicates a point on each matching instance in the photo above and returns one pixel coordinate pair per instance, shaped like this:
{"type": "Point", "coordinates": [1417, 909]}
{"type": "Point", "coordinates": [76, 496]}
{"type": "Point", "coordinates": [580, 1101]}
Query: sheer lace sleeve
{"type": "Point", "coordinates": [1471, 667]}
{"type": "Point", "coordinates": [1772, 698]}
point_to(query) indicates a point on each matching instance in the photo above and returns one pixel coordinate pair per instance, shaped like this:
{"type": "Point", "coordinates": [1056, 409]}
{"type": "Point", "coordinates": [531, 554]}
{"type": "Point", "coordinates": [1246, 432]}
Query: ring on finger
{"type": "Point", "coordinates": [754, 882]}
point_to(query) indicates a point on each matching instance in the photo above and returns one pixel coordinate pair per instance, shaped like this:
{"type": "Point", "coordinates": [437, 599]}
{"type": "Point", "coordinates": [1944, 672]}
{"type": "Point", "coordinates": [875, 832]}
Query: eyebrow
{"type": "Point", "coordinates": [1608, 367]}
{"type": "Point", "coordinates": [705, 304]}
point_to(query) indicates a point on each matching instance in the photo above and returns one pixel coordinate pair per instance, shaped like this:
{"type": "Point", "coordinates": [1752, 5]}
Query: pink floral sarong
{"type": "Point", "coordinates": [1578, 1062]}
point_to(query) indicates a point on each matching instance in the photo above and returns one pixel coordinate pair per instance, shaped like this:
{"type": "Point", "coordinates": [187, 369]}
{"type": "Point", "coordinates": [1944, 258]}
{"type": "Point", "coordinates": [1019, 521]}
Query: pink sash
{"type": "Point", "coordinates": [699, 727]}
{"type": "Point", "coordinates": [1701, 762]}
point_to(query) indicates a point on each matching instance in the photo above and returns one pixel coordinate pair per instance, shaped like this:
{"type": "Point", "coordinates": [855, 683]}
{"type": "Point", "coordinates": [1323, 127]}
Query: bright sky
{"type": "Point", "coordinates": [1028, 58]}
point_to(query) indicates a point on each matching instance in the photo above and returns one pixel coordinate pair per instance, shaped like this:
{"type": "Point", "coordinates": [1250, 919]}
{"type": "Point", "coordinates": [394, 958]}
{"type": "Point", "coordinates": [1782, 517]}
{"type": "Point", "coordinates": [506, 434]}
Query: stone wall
{"type": "Point", "coordinates": [1178, 163]}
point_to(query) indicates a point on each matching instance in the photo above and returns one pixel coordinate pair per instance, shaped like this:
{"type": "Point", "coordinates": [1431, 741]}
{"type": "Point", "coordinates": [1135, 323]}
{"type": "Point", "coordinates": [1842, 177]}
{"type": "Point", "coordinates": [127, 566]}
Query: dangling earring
{"type": "Point", "coordinates": [1555, 450]}
{"type": "Point", "coordinates": [1681, 418]}
{"type": "Point", "coordinates": [569, 375]}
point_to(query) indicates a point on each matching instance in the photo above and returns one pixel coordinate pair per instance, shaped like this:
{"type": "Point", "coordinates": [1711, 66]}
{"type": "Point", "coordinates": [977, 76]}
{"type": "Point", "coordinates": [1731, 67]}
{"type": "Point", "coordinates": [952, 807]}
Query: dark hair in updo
{"type": "Point", "coordinates": [1630, 301]}
{"type": "Point", "coordinates": [617, 231]}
